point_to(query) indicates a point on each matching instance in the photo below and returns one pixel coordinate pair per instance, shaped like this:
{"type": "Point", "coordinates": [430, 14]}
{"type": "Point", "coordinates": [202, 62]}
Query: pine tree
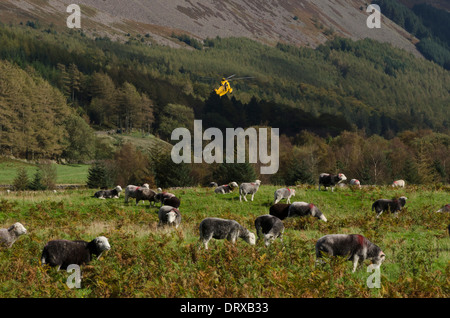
{"type": "Point", "coordinates": [21, 181]}
{"type": "Point", "coordinates": [97, 176]}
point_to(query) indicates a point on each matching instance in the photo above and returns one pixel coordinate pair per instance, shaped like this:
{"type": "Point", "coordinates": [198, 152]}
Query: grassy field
{"type": "Point", "coordinates": [146, 261]}
{"type": "Point", "coordinates": [66, 174]}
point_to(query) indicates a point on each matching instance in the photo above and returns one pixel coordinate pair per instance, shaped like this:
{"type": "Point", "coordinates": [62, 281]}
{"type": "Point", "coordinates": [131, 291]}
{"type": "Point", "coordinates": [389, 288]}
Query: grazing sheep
{"type": "Point", "coordinates": [169, 215]}
{"type": "Point", "coordinates": [226, 188]}
{"type": "Point", "coordinates": [394, 205]}
{"type": "Point", "coordinates": [10, 235]}
{"type": "Point", "coordinates": [303, 208]}
{"type": "Point", "coordinates": [145, 194]}
{"type": "Point", "coordinates": [270, 227]}
{"type": "Point", "coordinates": [130, 191]}
{"type": "Point", "coordinates": [398, 184]}
{"type": "Point", "coordinates": [280, 210]}
{"type": "Point", "coordinates": [283, 193]}
{"type": "Point", "coordinates": [62, 253]}
{"type": "Point", "coordinates": [248, 188]}
{"type": "Point", "coordinates": [224, 229]}
{"type": "Point", "coordinates": [445, 208]}
{"type": "Point", "coordinates": [356, 247]}
{"type": "Point", "coordinates": [355, 182]}
{"type": "Point", "coordinates": [161, 196]}
{"type": "Point", "coordinates": [328, 180]}
{"type": "Point", "coordinates": [172, 201]}
{"type": "Point", "coordinates": [108, 194]}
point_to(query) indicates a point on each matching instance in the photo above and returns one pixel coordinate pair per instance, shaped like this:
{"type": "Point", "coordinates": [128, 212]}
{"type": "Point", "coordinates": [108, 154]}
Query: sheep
{"type": "Point", "coordinates": [62, 253]}
{"type": "Point", "coordinates": [10, 235]}
{"type": "Point", "coordinates": [394, 205]}
{"type": "Point", "coordinates": [108, 194]}
{"type": "Point", "coordinates": [270, 227]}
{"type": "Point", "coordinates": [145, 194]}
{"type": "Point", "coordinates": [130, 191]}
{"type": "Point", "coordinates": [226, 188]}
{"type": "Point", "coordinates": [280, 210]}
{"type": "Point", "coordinates": [172, 201]}
{"type": "Point", "coordinates": [398, 184]}
{"type": "Point", "coordinates": [169, 215]}
{"type": "Point", "coordinates": [328, 180]}
{"type": "Point", "coordinates": [303, 208]}
{"type": "Point", "coordinates": [355, 182]}
{"type": "Point", "coordinates": [218, 228]}
{"type": "Point", "coordinates": [445, 208]}
{"type": "Point", "coordinates": [161, 196]}
{"type": "Point", "coordinates": [354, 246]}
{"type": "Point", "coordinates": [248, 188]}
{"type": "Point", "coordinates": [283, 193]}
{"type": "Point", "coordinates": [213, 184]}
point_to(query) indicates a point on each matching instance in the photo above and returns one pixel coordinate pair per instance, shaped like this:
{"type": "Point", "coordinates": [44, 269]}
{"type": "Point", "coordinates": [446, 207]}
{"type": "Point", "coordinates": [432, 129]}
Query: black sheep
{"type": "Point", "coordinates": [394, 205]}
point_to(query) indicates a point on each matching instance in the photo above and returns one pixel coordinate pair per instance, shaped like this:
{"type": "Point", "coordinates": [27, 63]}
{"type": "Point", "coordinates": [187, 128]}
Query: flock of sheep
{"type": "Point", "coordinates": [62, 253]}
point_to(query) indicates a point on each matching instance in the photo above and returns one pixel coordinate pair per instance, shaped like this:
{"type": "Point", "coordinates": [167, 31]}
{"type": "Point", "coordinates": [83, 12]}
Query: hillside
{"type": "Point", "coordinates": [305, 22]}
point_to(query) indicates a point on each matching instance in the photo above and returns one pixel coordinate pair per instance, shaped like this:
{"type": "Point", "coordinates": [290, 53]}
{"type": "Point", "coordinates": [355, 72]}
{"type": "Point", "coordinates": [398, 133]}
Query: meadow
{"type": "Point", "coordinates": [147, 261]}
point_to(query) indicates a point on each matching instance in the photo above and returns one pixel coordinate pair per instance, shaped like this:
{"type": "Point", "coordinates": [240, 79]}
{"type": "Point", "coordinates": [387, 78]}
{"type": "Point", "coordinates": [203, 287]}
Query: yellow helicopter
{"type": "Point", "coordinates": [225, 85]}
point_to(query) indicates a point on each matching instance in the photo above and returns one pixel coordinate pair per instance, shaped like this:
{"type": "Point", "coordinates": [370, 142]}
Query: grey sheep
{"type": "Point", "coordinates": [226, 188]}
{"type": "Point", "coordinates": [270, 227]}
{"type": "Point", "coordinates": [108, 194]}
{"type": "Point", "coordinates": [329, 180]}
{"type": "Point", "coordinates": [224, 229]}
{"type": "Point", "coordinates": [143, 194]}
{"type": "Point", "coordinates": [445, 208]}
{"type": "Point", "coordinates": [130, 191]}
{"type": "Point", "coordinates": [248, 188]}
{"type": "Point", "coordinates": [354, 246]}
{"type": "Point", "coordinates": [394, 205]}
{"type": "Point", "coordinates": [169, 215]}
{"type": "Point", "coordinates": [161, 196]}
{"type": "Point", "coordinates": [280, 210]}
{"type": "Point", "coordinates": [62, 253]}
{"type": "Point", "coordinates": [10, 235]}
{"type": "Point", "coordinates": [304, 208]}
{"type": "Point", "coordinates": [283, 193]}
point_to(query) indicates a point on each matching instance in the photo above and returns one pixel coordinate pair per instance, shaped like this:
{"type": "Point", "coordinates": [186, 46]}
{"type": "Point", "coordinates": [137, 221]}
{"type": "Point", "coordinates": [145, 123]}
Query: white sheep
{"type": "Point", "coordinates": [62, 253]}
{"type": "Point", "coordinates": [10, 235]}
{"type": "Point", "coordinates": [270, 227]}
{"type": "Point", "coordinates": [355, 182]}
{"type": "Point", "coordinates": [130, 191]}
{"type": "Point", "coordinates": [226, 188]}
{"type": "Point", "coordinates": [168, 215]}
{"type": "Point", "coordinates": [398, 184]}
{"type": "Point", "coordinates": [224, 229]}
{"type": "Point", "coordinates": [248, 188]}
{"type": "Point", "coordinates": [283, 193]}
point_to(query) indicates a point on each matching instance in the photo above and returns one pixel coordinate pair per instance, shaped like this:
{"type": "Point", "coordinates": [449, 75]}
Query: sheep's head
{"type": "Point", "coordinates": [342, 177]}
{"type": "Point", "coordinates": [102, 243]}
{"type": "Point", "coordinates": [171, 216]}
{"type": "Point", "coordinates": [258, 182]}
{"type": "Point", "coordinates": [251, 238]}
{"type": "Point", "coordinates": [119, 188]}
{"type": "Point", "coordinates": [18, 229]}
{"type": "Point", "coordinates": [317, 213]}
{"type": "Point", "coordinates": [233, 184]}
{"type": "Point", "coordinates": [145, 185]}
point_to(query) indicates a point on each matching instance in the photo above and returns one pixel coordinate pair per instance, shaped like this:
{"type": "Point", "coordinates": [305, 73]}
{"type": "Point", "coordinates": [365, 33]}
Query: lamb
{"type": "Point", "coordinates": [354, 246]}
{"type": "Point", "coordinates": [355, 182]}
{"type": "Point", "coordinates": [145, 194]}
{"type": "Point", "coordinates": [248, 188]}
{"type": "Point", "coordinates": [10, 235]}
{"type": "Point", "coordinates": [394, 205]}
{"type": "Point", "coordinates": [62, 253]}
{"type": "Point", "coordinates": [161, 196]}
{"type": "Point", "coordinates": [130, 191]}
{"type": "Point", "coordinates": [445, 208]}
{"type": "Point", "coordinates": [218, 228]}
{"type": "Point", "coordinates": [172, 201]}
{"type": "Point", "coordinates": [168, 215]}
{"type": "Point", "coordinates": [398, 184]}
{"type": "Point", "coordinates": [270, 227]}
{"type": "Point", "coordinates": [303, 208]}
{"type": "Point", "coordinates": [108, 194]}
{"type": "Point", "coordinates": [328, 180]}
{"type": "Point", "coordinates": [280, 210]}
{"type": "Point", "coordinates": [284, 193]}
{"type": "Point", "coordinates": [226, 188]}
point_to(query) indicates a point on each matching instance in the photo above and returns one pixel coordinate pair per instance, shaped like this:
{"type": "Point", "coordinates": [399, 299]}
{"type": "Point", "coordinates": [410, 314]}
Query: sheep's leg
{"type": "Point", "coordinates": [355, 262]}
{"type": "Point", "coordinates": [253, 196]}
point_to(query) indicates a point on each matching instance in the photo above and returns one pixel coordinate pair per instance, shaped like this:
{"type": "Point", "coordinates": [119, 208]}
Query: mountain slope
{"type": "Point", "coordinates": [304, 22]}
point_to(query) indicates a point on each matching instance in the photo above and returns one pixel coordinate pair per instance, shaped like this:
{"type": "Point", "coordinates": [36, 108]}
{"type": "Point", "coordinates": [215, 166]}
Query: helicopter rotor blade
{"type": "Point", "coordinates": [237, 78]}
{"type": "Point", "coordinates": [230, 76]}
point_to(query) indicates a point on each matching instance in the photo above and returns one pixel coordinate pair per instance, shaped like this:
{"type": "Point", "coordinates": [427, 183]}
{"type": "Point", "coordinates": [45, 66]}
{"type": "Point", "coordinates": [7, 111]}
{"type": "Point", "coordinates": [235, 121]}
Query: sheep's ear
{"type": "Point", "coordinates": [12, 227]}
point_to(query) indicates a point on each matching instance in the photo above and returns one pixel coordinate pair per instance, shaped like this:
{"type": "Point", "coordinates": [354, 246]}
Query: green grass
{"type": "Point", "coordinates": [146, 261]}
